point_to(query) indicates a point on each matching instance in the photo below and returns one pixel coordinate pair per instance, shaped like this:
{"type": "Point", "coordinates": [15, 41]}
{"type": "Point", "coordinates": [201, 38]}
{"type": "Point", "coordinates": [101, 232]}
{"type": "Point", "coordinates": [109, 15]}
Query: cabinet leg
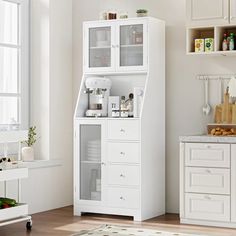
{"type": "Point", "coordinates": [137, 218]}
{"type": "Point", "coordinates": [77, 213]}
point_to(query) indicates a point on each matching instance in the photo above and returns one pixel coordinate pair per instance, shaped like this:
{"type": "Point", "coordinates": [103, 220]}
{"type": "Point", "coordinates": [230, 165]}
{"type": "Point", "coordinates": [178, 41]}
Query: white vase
{"type": "Point", "coordinates": [27, 153]}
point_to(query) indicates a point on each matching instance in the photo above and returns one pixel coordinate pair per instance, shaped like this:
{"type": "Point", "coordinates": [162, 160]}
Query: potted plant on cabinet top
{"type": "Point", "coordinates": [142, 12]}
{"type": "Point", "coordinates": [27, 152]}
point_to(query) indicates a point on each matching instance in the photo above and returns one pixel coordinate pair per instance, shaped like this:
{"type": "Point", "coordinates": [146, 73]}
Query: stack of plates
{"type": "Point", "coordinates": [94, 150]}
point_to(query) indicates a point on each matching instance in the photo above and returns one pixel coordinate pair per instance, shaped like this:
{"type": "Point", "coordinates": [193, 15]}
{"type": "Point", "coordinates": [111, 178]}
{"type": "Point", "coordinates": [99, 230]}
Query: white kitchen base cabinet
{"type": "Point", "coordinates": [208, 181]}
{"type": "Point", "coordinates": [119, 163]}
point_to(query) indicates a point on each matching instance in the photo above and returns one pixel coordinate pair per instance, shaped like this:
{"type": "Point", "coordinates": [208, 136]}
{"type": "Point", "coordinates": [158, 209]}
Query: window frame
{"type": "Point", "coordinates": [23, 46]}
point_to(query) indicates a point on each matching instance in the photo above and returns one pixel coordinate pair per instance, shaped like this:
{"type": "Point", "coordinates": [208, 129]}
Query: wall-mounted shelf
{"type": "Point", "coordinates": [216, 32]}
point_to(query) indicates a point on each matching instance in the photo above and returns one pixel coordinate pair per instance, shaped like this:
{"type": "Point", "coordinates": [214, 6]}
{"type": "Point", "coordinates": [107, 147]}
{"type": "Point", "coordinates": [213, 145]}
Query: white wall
{"type": "Point", "coordinates": [51, 103]}
{"type": "Point", "coordinates": [184, 93]}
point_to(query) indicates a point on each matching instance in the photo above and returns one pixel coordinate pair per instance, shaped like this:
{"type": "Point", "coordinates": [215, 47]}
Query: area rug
{"type": "Point", "coordinates": [109, 230]}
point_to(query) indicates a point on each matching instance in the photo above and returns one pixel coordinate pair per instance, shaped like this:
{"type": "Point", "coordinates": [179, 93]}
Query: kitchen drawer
{"type": "Point", "coordinates": [207, 180]}
{"type": "Point", "coordinates": [123, 152]}
{"type": "Point", "coordinates": [123, 198]}
{"type": "Point", "coordinates": [123, 129]}
{"type": "Point", "coordinates": [207, 207]}
{"type": "Point", "coordinates": [123, 175]}
{"type": "Point", "coordinates": [207, 155]}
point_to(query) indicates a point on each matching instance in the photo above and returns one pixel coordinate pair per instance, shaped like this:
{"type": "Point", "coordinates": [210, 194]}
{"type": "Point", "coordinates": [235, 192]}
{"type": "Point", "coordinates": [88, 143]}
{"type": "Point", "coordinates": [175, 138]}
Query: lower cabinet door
{"type": "Point", "coordinates": [123, 198]}
{"type": "Point", "coordinates": [207, 207]}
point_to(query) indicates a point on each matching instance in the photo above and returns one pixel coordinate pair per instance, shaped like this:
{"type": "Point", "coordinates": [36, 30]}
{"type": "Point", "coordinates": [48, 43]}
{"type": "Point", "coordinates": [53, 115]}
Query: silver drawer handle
{"type": "Point", "coordinates": [122, 153]}
{"type": "Point", "coordinates": [122, 198]}
{"type": "Point", "coordinates": [122, 176]}
{"type": "Point", "coordinates": [207, 197]}
{"type": "Point", "coordinates": [122, 130]}
{"type": "Point", "coordinates": [208, 146]}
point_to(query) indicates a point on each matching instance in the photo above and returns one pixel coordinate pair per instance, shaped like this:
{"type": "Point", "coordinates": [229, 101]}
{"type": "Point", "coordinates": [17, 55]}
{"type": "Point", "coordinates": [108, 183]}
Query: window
{"type": "Point", "coordinates": [14, 64]}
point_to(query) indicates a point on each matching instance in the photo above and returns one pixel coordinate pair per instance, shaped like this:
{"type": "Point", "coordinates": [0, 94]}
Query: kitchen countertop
{"type": "Point", "coordinates": [207, 139]}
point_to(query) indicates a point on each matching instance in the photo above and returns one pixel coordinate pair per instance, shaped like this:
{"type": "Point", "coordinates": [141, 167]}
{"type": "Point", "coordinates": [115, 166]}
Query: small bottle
{"type": "Point", "coordinates": [123, 108]}
{"type": "Point", "coordinates": [130, 106]}
{"type": "Point", "coordinates": [122, 103]}
{"type": "Point", "coordinates": [225, 43]}
{"type": "Point", "coordinates": [231, 42]}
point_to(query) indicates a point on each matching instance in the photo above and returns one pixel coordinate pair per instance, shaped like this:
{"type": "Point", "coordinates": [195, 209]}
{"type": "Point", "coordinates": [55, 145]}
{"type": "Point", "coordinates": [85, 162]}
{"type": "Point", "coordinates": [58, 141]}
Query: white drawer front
{"type": "Point", "coordinates": [123, 129]}
{"type": "Point", "coordinates": [207, 207]}
{"type": "Point", "coordinates": [123, 197]}
{"type": "Point", "coordinates": [207, 155]}
{"type": "Point", "coordinates": [207, 180]}
{"type": "Point", "coordinates": [123, 175]}
{"type": "Point", "coordinates": [123, 152]}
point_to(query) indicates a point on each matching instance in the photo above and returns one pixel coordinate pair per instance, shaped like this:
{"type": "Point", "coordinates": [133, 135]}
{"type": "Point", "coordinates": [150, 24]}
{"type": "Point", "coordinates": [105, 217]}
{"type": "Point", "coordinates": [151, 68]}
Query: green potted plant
{"type": "Point", "coordinates": [142, 12]}
{"type": "Point", "coordinates": [27, 152]}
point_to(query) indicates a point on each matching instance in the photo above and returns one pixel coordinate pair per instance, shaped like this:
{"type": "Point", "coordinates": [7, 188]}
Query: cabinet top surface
{"type": "Point", "coordinates": [206, 139]}
{"type": "Point", "coordinates": [124, 20]}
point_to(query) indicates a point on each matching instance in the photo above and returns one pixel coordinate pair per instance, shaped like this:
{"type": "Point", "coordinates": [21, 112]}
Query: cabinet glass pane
{"type": "Point", "coordinates": [131, 45]}
{"type": "Point", "coordinates": [90, 162]}
{"type": "Point", "coordinates": [9, 110]}
{"type": "Point", "coordinates": [8, 22]}
{"type": "Point", "coordinates": [8, 70]}
{"type": "Point", "coordinates": [100, 47]}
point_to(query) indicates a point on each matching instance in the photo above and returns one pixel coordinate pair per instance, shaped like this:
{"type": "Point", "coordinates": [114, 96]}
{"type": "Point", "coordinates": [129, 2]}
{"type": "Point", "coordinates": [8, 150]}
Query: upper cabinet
{"type": "Point", "coordinates": [207, 23]}
{"type": "Point", "coordinates": [233, 11]}
{"type": "Point", "coordinates": [115, 46]}
{"type": "Point", "coordinates": [99, 45]}
{"type": "Point", "coordinates": [209, 12]}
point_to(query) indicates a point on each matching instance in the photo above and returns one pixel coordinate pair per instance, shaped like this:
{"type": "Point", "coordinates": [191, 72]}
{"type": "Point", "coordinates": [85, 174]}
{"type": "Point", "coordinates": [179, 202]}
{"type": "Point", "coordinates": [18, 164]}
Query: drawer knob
{"type": "Point", "coordinates": [122, 198]}
{"type": "Point", "coordinates": [103, 163]}
{"type": "Point", "coordinates": [122, 153]}
{"type": "Point", "coordinates": [208, 146]}
{"type": "Point", "coordinates": [122, 176]}
{"type": "Point", "coordinates": [207, 197]}
{"type": "Point", "coordinates": [208, 171]}
{"type": "Point", "coordinates": [122, 130]}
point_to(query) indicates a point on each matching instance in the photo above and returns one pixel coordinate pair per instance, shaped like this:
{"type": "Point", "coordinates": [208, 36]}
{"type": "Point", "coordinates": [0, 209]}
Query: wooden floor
{"type": "Point", "coordinates": [62, 222]}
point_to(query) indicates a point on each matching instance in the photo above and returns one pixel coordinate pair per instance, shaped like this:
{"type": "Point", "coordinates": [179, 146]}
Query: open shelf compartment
{"type": "Point", "coordinates": [198, 33]}
{"type": "Point", "coordinates": [216, 32]}
{"type": "Point", "coordinates": [220, 31]}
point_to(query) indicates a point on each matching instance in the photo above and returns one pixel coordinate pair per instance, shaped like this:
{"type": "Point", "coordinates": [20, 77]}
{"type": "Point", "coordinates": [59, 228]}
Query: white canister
{"type": "Point", "coordinates": [98, 185]}
{"type": "Point", "coordinates": [27, 153]}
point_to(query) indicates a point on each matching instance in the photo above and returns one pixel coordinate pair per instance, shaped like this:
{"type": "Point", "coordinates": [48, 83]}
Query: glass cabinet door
{"type": "Point", "coordinates": [131, 49]}
{"type": "Point", "coordinates": [99, 48]}
{"type": "Point", "coordinates": [90, 162]}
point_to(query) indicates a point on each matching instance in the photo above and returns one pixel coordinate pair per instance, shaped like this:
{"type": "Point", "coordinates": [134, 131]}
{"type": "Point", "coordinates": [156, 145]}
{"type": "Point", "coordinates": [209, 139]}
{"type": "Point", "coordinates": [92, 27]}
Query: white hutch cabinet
{"type": "Point", "coordinates": [119, 163]}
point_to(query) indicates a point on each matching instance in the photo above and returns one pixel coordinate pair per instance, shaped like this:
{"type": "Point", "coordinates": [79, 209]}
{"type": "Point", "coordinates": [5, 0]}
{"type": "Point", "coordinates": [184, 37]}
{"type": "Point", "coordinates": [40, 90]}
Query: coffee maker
{"type": "Point", "coordinates": [98, 90]}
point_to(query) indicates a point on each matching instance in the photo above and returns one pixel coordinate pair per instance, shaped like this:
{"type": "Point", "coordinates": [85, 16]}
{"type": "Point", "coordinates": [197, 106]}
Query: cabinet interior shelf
{"type": "Point", "coordinates": [103, 47]}
{"type": "Point", "coordinates": [91, 162]}
{"type": "Point", "coordinates": [215, 32]}
{"type": "Point", "coordinates": [132, 46]}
